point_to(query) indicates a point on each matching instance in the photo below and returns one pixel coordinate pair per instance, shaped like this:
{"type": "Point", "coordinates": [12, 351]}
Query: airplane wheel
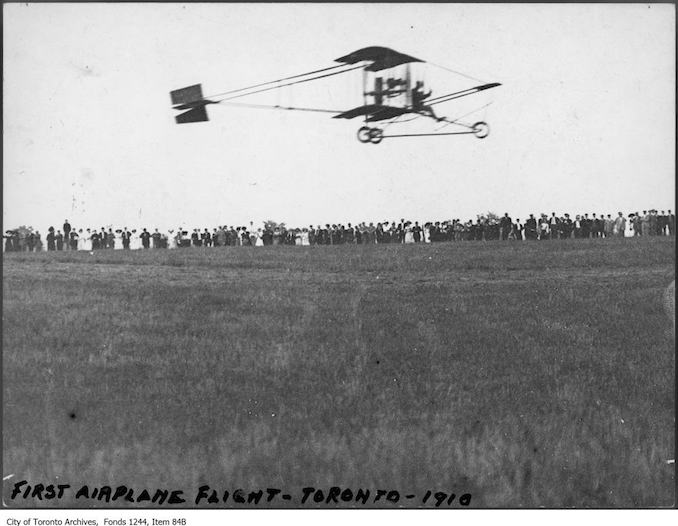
{"type": "Point", "coordinates": [481, 129]}
{"type": "Point", "coordinates": [376, 135]}
{"type": "Point", "coordinates": [364, 134]}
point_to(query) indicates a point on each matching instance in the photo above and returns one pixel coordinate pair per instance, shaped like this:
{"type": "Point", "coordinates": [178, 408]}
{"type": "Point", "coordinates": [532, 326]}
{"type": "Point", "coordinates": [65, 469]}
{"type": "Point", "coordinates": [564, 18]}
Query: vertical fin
{"type": "Point", "coordinates": [198, 114]}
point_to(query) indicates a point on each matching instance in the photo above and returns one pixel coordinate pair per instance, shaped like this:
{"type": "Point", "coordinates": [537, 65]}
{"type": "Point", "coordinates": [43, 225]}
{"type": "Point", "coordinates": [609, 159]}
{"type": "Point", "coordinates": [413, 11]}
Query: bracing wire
{"type": "Point", "coordinates": [275, 81]}
{"type": "Point", "coordinates": [277, 107]}
{"type": "Point", "coordinates": [399, 120]}
{"type": "Point", "coordinates": [291, 83]}
{"type": "Point", "coordinates": [456, 72]}
{"type": "Point", "coordinates": [458, 119]}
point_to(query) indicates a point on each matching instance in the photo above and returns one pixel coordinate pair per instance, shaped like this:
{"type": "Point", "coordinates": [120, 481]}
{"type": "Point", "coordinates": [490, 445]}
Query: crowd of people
{"type": "Point", "coordinates": [484, 228]}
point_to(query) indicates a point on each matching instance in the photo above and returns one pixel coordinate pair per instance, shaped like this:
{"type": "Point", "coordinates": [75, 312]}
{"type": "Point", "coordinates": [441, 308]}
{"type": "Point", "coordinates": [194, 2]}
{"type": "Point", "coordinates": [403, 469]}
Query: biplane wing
{"type": "Point", "coordinates": [381, 58]}
{"type": "Point", "coordinates": [373, 112]}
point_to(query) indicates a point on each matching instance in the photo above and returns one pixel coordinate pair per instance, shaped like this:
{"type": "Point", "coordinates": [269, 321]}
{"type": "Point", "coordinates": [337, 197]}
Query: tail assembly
{"type": "Point", "coordinates": [191, 99]}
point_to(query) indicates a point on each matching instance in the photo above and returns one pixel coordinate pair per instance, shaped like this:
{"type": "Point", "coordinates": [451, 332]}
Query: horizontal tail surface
{"type": "Point", "coordinates": [191, 99]}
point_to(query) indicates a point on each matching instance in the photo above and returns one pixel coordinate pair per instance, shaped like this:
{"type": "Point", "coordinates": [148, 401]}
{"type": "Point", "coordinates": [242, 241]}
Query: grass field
{"type": "Point", "coordinates": [526, 374]}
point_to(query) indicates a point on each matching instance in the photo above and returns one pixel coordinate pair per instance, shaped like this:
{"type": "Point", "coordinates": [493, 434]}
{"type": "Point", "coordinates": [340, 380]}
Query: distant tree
{"type": "Point", "coordinates": [271, 225]}
{"type": "Point", "coordinates": [23, 231]}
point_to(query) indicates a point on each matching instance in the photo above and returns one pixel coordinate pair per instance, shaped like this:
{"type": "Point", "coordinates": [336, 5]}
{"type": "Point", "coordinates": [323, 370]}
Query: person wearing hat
{"type": "Point", "coordinates": [325, 238]}
{"type": "Point", "coordinates": [358, 235]}
{"type": "Point", "coordinates": [59, 238]}
{"type": "Point", "coordinates": [126, 238]}
{"type": "Point", "coordinates": [30, 241]}
{"type": "Point", "coordinates": [608, 227]}
{"type": "Point", "coordinates": [379, 233]}
{"type": "Point", "coordinates": [177, 238]}
{"type": "Point", "coordinates": [566, 227]}
{"type": "Point", "coordinates": [145, 239]}
{"type": "Point", "coordinates": [8, 241]}
{"type": "Point", "coordinates": [645, 224]}
{"type": "Point", "coordinates": [417, 232]}
{"type": "Point", "coordinates": [155, 236]}
{"type": "Point", "coordinates": [50, 239]}
{"type": "Point", "coordinates": [221, 236]}
{"type": "Point", "coordinates": [664, 224]}
{"type": "Point", "coordinates": [593, 226]}
{"type": "Point", "coordinates": [112, 240]}
{"type": "Point", "coordinates": [206, 238]}
{"type": "Point", "coordinates": [620, 225]}
{"type": "Point", "coordinates": [67, 230]}
{"type": "Point", "coordinates": [505, 225]}
{"type": "Point", "coordinates": [585, 226]}
{"type": "Point", "coordinates": [94, 238]}
{"type": "Point", "coordinates": [653, 223]}
{"type": "Point", "coordinates": [102, 239]}
{"type": "Point", "coordinates": [531, 228]}
{"type": "Point", "coordinates": [73, 240]}
{"type": "Point", "coordinates": [349, 234]}
{"type": "Point", "coordinates": [38, 242]}
{"type": "Point", "coordinates": [636, 224]}
{"type": "Point", "coordinates": [516, 230]}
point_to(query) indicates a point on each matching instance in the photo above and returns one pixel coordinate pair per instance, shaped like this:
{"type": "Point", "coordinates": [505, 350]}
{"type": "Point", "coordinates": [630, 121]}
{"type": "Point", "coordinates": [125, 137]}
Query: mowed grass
{"type": "Point", "coordinates": [527, 374]}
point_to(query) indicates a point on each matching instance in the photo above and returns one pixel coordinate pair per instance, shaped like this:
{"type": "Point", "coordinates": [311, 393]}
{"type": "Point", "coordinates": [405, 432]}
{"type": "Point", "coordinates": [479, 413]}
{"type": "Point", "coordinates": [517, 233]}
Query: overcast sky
{"type": "Point", "coordinates": [583, 122]}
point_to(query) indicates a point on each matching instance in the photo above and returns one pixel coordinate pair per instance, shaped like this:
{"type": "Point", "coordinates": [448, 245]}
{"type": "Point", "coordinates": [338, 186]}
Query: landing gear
{"type": "Point", "coordinates": [376, 135]}
{"type": "Point", "coordinates": [373, 135]}
{"type": "Point", "coordinates": [364, 134]}
{"type": "Point", "coordinates": [481, 129]}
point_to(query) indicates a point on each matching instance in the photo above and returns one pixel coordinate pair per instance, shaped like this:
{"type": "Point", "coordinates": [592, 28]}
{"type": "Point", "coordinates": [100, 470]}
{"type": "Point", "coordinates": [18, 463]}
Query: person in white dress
{"type": "Point", "coordinates": [409, 235]}
{"type": "Point", "coordinates": [427, 233]}
{"type": "Point", "coordinates": [135, 241]}
{"type": "Point", "coordinates": [260, 238]}
{"type": "Point", "coordinates": [171, 239]}
{"type": "Point", "coordinates": [118, 240]}
{"type": "Point", "coordinates": [85, 241]}
{"type": "Point", "coordinates": [304, 238]}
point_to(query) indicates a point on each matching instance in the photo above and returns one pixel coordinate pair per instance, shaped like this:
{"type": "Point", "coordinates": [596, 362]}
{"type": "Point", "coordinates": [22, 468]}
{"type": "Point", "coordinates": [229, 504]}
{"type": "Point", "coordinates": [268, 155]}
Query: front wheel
{"type": "Point", "coordinates": [481, 129]}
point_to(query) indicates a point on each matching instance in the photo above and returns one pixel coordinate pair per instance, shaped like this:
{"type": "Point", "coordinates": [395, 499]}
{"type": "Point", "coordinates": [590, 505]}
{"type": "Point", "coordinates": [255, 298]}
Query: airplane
{"type": "Point", "coordinates": [388, 95]}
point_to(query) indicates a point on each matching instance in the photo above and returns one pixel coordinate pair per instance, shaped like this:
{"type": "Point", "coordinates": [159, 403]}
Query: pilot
{"type": "Point", "coordinates": [418, 98]}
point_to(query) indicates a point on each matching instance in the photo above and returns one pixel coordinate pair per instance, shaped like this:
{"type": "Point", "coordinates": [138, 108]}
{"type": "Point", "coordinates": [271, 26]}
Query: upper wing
{"type": "Point", "coordinates": [381, 58]}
